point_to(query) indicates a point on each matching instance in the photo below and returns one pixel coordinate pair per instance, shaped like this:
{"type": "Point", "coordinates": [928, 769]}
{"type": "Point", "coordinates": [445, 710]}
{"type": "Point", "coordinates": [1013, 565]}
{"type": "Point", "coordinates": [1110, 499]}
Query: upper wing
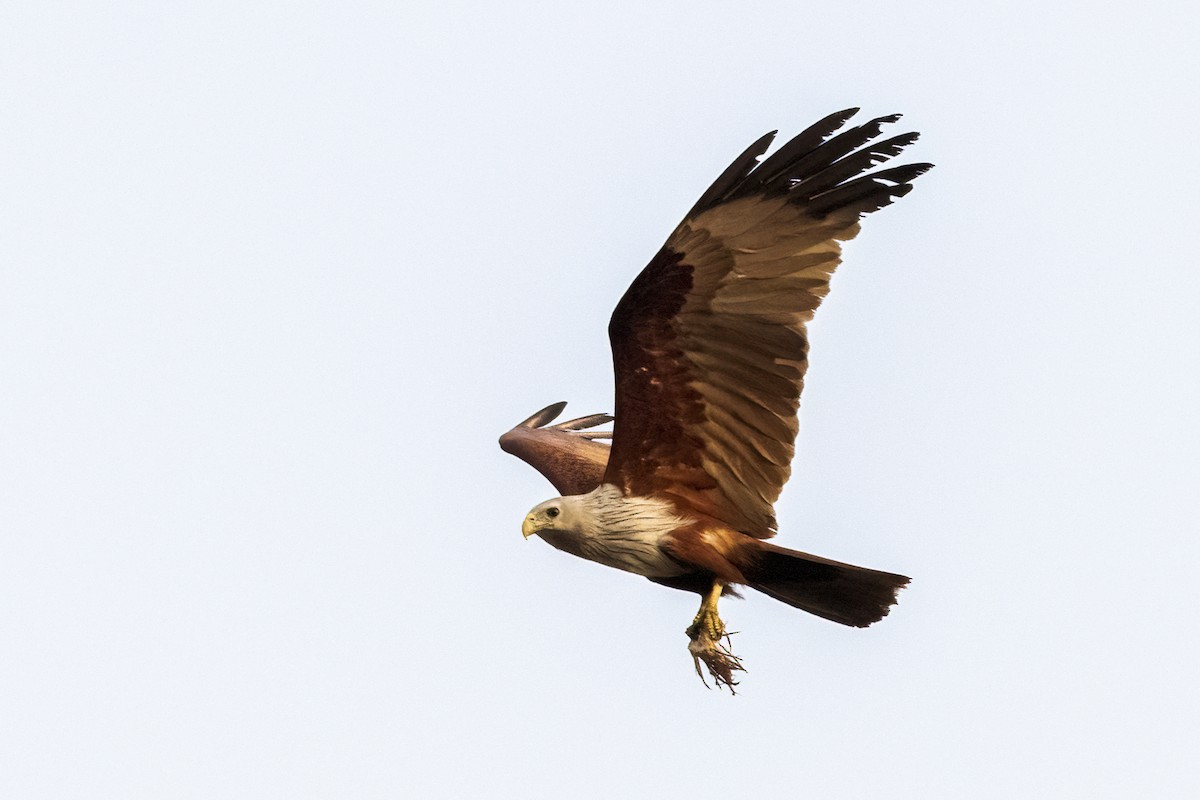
{"type": "Point", "coordinates": [709, 342]}
{"type": "Point", "coordinates": [566, 455]}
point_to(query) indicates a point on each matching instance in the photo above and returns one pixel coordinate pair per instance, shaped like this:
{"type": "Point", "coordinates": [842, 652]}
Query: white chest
{"type": "Point", "coordinates": [638, 553]}
{"type": "Point", "coordinates": [627, 532]}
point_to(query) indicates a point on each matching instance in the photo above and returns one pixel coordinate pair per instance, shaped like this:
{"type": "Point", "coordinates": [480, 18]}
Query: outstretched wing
{"type": "Point", "coordinates": [709, 342]}
{"type": "Point", "coordinates": [566, 454]}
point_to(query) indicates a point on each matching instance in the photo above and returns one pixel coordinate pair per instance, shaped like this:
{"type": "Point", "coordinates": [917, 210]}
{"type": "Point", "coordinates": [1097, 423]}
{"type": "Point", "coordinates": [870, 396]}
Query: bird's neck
{"type": "Point", "coordinates": [610, 512]}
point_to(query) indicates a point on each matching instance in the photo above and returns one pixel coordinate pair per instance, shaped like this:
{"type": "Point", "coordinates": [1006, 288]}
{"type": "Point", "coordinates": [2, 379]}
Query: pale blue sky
{"type": "Point", "coordinates": [274, 277]}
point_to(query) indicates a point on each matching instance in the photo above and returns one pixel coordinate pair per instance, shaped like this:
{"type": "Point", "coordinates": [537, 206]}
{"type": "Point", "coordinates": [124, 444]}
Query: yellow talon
{"type": "Point", "coordinates": [705, 647]}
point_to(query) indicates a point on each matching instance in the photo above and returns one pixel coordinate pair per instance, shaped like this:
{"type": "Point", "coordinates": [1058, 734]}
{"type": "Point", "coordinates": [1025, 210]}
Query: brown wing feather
{"type": "Point", "coordinates": [566, 455]}
{"type": "Point", "coordinates": [709, 342]}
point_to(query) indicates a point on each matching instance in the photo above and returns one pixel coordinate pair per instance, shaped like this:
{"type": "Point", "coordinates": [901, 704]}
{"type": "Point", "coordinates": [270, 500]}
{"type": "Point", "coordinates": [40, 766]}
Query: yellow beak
{"type": "Point", "coordinates": [529, 526]}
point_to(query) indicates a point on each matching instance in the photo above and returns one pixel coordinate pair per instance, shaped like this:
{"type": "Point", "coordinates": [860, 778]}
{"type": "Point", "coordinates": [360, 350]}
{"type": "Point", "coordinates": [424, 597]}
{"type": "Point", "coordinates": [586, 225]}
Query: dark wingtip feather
{"type": "Point", "coordinates": [803, 165]}
{"type": "Point", "coordinates": [869, 192]}
{"type": "Point", "coordinates": [547, 414]}
{"type": "Point", "coordinates": [852, 165]}
{"type": "Point", "coordinates": [798, 146]}
{"type": "Point", "coordinates": [734, 175]}
{"type": "Point", "coordinates": [590, 421]}
{"type": "Point", "coordinates": [824, 167]}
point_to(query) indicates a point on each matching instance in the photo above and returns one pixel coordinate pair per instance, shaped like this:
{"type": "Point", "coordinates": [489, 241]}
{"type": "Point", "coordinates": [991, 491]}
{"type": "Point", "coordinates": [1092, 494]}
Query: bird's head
{"type": "Point", "coordinates": [560, 514]}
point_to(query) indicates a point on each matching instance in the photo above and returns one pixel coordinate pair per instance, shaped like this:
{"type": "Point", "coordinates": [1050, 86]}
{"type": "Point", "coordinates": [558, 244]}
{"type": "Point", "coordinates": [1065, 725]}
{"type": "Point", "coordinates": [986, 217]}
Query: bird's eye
{"type": "Point", "coordinates": [552, 512]}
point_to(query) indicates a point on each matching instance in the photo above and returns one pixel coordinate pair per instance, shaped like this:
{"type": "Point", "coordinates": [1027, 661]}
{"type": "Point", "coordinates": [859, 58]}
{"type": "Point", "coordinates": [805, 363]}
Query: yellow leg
{"type": "Point", "coordinates": [707, 620]}
{"type": "Point", "coordinates": [705, 647]}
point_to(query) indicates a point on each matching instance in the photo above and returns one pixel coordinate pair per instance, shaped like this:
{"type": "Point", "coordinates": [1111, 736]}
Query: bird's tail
{"type": "Point", "coordinates": [840, 592]}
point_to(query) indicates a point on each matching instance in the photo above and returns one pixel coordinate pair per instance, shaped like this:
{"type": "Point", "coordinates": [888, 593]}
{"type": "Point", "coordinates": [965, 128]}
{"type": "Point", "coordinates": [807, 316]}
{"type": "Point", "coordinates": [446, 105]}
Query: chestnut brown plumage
{"type": "Point", "coordinates": [710, 349]}
{"type": "Point", "coordinates": [574, 462]}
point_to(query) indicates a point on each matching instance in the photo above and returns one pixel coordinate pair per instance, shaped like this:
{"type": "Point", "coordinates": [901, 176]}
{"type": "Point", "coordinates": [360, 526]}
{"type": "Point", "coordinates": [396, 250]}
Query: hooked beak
{"type": "Point", "coordinates": [529, 526]}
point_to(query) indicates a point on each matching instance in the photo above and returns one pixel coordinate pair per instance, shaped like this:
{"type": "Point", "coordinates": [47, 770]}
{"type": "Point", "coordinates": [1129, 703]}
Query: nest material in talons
{"type": "Point", "coordinates": [716, 655]}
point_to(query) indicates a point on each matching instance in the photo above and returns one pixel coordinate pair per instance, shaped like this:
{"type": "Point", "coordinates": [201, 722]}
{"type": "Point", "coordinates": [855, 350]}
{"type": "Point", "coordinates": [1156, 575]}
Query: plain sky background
{"type": "Point", "coordinates": [274, 277]}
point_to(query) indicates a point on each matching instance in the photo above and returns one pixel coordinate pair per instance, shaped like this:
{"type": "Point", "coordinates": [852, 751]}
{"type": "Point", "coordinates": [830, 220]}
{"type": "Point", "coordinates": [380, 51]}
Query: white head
{"type": "Point", "coordinates": [607, 527]}
{"type": "Point", "coordinates": [562, 514]}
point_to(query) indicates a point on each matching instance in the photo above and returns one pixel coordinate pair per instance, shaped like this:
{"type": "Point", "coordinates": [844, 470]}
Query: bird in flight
{"type": "Point", "coordinates": [710, 348]}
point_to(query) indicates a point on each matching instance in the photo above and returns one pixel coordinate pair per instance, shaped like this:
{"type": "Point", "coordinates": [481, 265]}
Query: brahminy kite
{"type": "Point", "coordinates": [710, 347]}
